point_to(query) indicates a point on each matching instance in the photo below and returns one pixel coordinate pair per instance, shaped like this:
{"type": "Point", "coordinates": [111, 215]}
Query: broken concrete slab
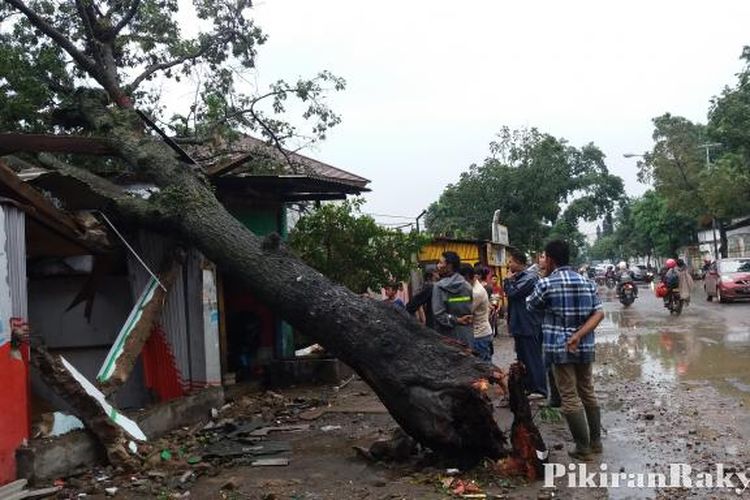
{"type": "Point", "coordinates": [44, 459]}
{"type": "Point", "coordinates": [181, 412]}
{"type": "Point", "coordinates": [80, 450]}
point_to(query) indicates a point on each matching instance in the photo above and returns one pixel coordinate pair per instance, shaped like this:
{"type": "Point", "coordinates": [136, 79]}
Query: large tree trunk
{"type": "Point", "coordinates": [436, 390]}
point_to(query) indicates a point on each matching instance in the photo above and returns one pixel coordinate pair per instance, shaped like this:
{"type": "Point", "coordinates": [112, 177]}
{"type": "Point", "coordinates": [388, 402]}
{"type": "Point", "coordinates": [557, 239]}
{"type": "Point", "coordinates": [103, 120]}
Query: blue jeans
{"type": "Point", "coordinates": [483, 348]}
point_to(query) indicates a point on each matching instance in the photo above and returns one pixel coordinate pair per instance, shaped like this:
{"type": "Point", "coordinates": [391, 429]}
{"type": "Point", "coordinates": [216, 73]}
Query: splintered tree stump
{"type": "Point", "coordinates": [529, 453]}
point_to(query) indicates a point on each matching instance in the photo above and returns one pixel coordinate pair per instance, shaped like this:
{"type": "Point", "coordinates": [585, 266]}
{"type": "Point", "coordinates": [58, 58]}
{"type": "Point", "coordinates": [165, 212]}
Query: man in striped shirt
{"type": "Point", "coordinates": [572, 310]}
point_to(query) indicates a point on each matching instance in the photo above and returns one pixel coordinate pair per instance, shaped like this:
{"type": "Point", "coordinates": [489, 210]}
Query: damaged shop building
{"type": "Point", "coordinates": [151, 323]}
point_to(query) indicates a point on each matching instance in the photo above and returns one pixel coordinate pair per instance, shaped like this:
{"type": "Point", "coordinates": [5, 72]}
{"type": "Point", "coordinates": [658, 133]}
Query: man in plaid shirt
{"type": "Point", "coordinates": [572, 310]}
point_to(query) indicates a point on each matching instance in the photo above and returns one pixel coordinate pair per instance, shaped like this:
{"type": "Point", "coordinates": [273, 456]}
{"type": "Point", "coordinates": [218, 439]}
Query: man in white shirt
{"type": "Point", "coordinates": [480, 310]}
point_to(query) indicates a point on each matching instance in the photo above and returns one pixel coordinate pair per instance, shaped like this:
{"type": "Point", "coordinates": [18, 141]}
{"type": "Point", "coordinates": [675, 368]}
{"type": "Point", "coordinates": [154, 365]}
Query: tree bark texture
{"type": "Point", "coordinates": [435, 389]}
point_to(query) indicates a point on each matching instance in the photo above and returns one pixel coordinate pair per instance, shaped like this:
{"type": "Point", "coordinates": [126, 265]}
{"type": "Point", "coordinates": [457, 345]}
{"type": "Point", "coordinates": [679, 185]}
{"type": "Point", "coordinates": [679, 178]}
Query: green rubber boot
{"type": "Point", "coordinates": [579, 428]}
{"type": "Point", "coordinates": [594, 418]}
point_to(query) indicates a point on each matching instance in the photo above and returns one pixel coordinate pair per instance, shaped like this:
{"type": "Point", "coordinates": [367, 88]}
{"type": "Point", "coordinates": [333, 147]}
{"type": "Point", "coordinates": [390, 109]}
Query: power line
{"type": "Point", "coordinates": [390, 216]}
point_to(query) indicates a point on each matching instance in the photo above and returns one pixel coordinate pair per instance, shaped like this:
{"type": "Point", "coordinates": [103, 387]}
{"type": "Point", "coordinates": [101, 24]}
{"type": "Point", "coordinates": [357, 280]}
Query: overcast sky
{"type": "Point", "coordinates": [431, 82]}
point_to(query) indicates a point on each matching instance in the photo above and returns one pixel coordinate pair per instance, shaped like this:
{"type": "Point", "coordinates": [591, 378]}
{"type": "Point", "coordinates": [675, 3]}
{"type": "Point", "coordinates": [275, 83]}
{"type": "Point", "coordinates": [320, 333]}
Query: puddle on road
{"type": "Point", "coordinates": [708, 344]}
{"type": "Point", "coordinates": [651, 346]}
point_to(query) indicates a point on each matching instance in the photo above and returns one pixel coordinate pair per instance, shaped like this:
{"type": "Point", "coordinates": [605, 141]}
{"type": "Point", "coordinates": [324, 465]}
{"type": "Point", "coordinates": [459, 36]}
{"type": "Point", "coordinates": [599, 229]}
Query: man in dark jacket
{"type": "Point", "coordinates": [525, 326]}
{"type": "Point", "coordinates": [451, 301]}
{"type": "Point", "coordinates": [424, 297]}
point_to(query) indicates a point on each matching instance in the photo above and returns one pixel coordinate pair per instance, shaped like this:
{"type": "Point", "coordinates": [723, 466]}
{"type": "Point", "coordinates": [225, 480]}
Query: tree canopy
{"type": "Point", "coordinates": [644, 226]}
{"type": "Point", "coordinates": [542, 186]}
{"type": "Point", "coordinates": [352, 249]}
{"type": "Point", "coordinates": [131, 49]}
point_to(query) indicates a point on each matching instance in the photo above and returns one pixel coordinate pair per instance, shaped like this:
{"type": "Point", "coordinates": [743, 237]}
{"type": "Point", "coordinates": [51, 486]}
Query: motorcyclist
{"type": "Point", "coordinates": [609, 277]}
{"type": "Point", "coordinates": [708, 266]}
{"type": "Point", "coordinates": [670, 278]}
{"type": "Point", "coordinates": [609, 273]}
{"type": "Point", "coordinates": [624, 276]}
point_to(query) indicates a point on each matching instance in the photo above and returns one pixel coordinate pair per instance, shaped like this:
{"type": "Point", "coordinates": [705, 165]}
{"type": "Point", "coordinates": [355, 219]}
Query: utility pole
{"type": "Point", "coordinates": [708, 147]}
{"type": "Point", "coordinates": [419, 217]}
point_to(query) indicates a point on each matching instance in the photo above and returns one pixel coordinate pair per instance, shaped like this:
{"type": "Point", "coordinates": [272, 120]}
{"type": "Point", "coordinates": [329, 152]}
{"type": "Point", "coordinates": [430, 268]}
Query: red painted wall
{"type": "Point", "coordinates": [14, 407]}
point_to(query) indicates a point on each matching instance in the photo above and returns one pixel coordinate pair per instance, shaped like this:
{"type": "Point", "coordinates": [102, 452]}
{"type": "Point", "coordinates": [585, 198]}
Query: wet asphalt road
{"type": "Point", "coordinates": [673, 389]}
{"type": "Point", "coordinates": [707, 342]}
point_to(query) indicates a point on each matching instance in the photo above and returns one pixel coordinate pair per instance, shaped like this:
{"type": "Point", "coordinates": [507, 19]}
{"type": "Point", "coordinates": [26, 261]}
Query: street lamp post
{"type": "Point", "coordinates": [708, 147]}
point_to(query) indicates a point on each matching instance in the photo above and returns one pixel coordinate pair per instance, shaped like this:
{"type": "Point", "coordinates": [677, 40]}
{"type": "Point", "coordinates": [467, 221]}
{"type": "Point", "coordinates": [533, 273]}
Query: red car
{"type": "Point", "coordinates": [728, 280]}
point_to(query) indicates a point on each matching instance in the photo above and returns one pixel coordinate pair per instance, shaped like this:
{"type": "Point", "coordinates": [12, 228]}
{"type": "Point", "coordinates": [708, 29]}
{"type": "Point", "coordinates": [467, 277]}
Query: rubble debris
{"type": "Point", "coordinates": [398, 448]}
{"type": "Point", "coordinates": [264, 431]}
{"type": "Point", "coordinates": [63, 423]}
{"type": "Point", "coordinates": [315, 349]}
{"type": "Point", "coordinates": [270, 462]}
{"type": "Point", "coordinates": [329, 428]}
{"type": "Point", "coordinates": [137, 329]}
{"type": "Point", "coordinates": [228, 449]}
{"type": "Point", "coordinates": [113, 429]}
{"type": "Point", "coordinates": [344, 383]}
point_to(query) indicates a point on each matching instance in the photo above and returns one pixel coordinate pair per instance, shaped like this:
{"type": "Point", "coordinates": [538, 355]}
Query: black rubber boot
{"type": "Point", "coordinates": [579, 428]}
{"type": "Point", "coordinates": [593, 416]}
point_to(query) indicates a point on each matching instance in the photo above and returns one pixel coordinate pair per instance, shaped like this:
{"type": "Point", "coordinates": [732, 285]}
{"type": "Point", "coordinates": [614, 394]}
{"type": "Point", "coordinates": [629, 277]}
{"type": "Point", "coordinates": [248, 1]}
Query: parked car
{"type": "Point", "coordinates": [647, 272]}
{"type": "Point", "coordinates": [637, 273]}
{"type": "Point", "coordinates": [728, 280]}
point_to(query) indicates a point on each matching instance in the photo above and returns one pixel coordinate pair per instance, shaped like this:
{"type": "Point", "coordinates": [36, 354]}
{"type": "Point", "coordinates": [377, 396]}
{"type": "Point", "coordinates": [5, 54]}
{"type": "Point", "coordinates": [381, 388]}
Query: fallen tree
{"type": "Point", "coordinates": [436, 390]}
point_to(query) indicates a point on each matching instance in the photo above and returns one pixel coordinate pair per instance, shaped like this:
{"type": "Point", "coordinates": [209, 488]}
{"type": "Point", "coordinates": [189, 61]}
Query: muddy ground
{"type": "Point", "coordinates": [672, 389]}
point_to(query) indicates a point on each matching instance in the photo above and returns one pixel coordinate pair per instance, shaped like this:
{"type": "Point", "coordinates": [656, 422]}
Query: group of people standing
{"type": "Point", "coordinates": [456, 301]}
{"type": "Point", "coordinates": [552, 314]}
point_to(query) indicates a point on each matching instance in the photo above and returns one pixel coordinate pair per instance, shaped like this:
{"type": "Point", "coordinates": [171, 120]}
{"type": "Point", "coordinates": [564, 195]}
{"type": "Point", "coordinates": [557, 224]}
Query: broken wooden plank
{"type": "Point", "coordinates": [137, 329]}
{"type": "Point", "coordinates": [41, 205]}
{"type": "Point", "coordinates": [49, 143]}
{"type": "Point", "coordinates": [223, 168]}
{"type": "Point", "coordinates": [114, 430]}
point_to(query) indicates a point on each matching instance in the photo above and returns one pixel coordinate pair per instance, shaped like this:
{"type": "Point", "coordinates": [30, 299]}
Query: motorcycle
{"type": "Point", "coordinates": [675, 302]}
{"type": "Point", "coordinates": [627, 294]}
{"type": "Point", "coordinates": [610, 282]}
{"type": "Point", "coordinates": [648, 276]}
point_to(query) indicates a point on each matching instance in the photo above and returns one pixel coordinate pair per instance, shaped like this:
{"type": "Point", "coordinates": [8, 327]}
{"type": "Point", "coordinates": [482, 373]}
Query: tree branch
{"type": "Point", "coordinates": [128, 205]}
{"type": "Point", "coordinates": [271, 133]}
{"type": "Point", "coordinates": [129, 15]}
{"type": "Point", "coordinates": [42, 25]}
{"type": "Point", "coordinates": [89, 24]}
{"type": "Point", "coordinates": [169, 64]}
